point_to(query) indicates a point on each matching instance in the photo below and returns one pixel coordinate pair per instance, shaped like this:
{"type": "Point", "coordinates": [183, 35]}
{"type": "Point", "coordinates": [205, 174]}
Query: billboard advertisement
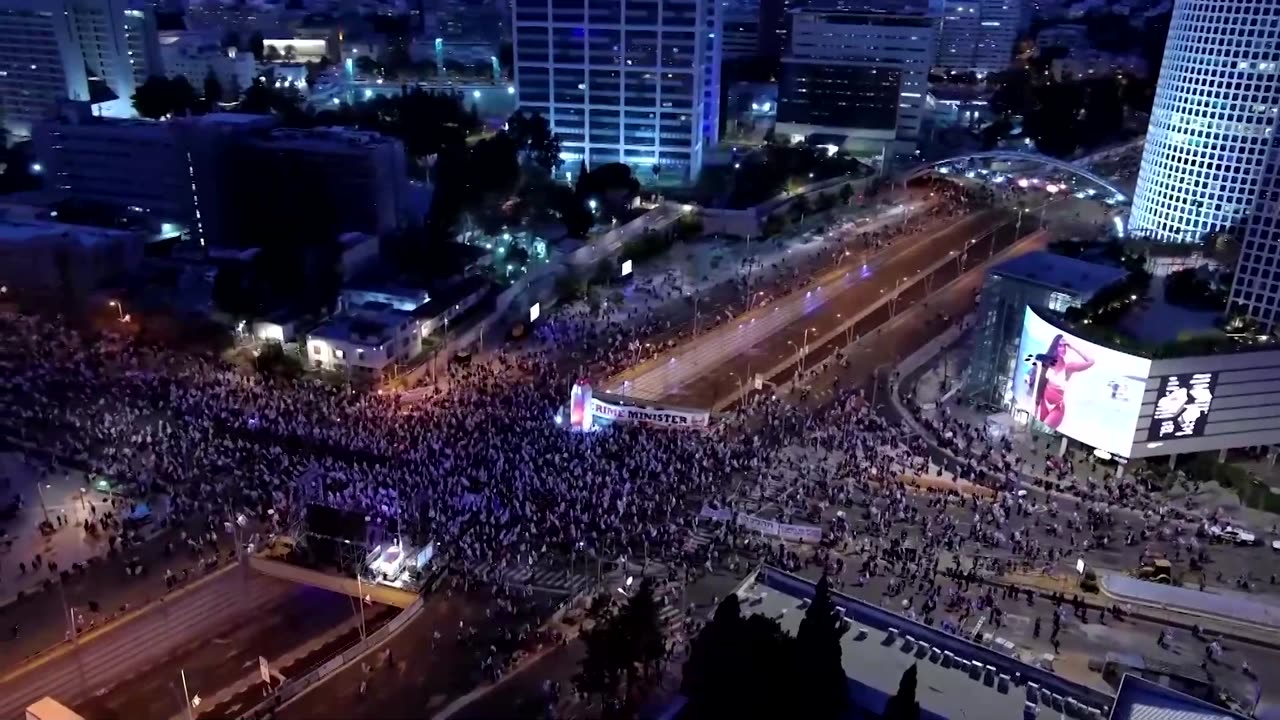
{"type": "Point", "coordinates": [1182, 406]}
{"type": "Point", "coordinates": [1078, 388]}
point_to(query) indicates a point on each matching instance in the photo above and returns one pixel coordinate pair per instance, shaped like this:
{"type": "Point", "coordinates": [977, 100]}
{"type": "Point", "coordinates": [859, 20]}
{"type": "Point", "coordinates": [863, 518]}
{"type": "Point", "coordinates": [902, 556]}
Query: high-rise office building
{"type": "Point", "coordinates": [741, 28]}
{"type": "Point", "coordinates": [51, 50]}
{"type": "Point", "coordinates": [858, 78]}
{"type": "Point", "coordinates": [976, 35]}
{"type": "Point", "coordinates": [631, 81]}
{"type": "Point", "coordinates": [1212, 125]}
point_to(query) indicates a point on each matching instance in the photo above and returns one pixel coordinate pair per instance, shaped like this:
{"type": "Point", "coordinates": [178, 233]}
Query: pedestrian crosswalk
{"type": "Point", "coordinates": [537, 577]}
{"type": "Point", "coordinates": [671, 620]}
{"type": "Point", "coordinates": [697, 540]}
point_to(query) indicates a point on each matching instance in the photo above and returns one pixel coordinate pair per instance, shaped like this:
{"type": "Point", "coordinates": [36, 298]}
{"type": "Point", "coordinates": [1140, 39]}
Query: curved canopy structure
{"type": "Point", "coordinates": [1011, 156]}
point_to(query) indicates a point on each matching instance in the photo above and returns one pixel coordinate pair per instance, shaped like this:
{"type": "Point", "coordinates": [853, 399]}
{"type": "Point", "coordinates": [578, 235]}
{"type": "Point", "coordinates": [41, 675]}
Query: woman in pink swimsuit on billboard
{"type": "Point", "coordinates": [1056, 369]}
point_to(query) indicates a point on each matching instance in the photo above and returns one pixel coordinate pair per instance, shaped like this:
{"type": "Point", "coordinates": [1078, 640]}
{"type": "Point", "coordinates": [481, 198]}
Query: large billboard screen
{"type": "Point", "coordinates": [1182, 406]}
{"type": "Point", "coordinates": [1083, 390]}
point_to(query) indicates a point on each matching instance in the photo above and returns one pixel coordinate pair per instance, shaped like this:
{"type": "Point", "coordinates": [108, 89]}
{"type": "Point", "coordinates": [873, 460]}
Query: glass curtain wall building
{"type": "Point", "coordinates": [1213, 122]}
{"type": "Point", "coordinates": [631, 81]}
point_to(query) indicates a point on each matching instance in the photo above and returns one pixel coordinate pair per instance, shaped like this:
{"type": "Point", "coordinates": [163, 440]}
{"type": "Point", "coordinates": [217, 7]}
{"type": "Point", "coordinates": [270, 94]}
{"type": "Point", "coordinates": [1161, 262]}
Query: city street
{"type": "Point", "coordinates": [426, 673]}
{"type": "Point", "coordinates": [229, 657]}
{"type": "Point", "coordinates": [703, 372]}
{"type": "Point", "coordinates": [122, 650]}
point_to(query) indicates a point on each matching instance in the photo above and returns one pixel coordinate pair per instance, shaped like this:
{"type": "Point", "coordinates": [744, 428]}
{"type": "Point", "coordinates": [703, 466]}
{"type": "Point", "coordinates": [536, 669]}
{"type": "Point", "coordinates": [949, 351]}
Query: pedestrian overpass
{"type": "Point", "coordinates": [373, 592]}
{"type": "Point", "coordinates": [1076, 168]}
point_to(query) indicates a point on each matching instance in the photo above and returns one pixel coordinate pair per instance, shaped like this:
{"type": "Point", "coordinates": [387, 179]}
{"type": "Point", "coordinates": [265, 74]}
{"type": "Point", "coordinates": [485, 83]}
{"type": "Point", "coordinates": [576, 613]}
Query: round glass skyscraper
{"type": "Point", "coordinates": [1213, 120]}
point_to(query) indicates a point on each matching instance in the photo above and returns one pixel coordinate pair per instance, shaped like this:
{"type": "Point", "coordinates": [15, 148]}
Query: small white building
{"type": "Point", "coordinates": [194, 55]}
{"type": "Point", "coordinates": [366, 342]}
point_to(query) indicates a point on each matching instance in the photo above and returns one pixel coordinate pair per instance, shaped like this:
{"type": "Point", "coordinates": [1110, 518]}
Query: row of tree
{"type": "Point", "coordinates": [748, 666]}
{"type": "Point", "coordinates": [1061, 117]}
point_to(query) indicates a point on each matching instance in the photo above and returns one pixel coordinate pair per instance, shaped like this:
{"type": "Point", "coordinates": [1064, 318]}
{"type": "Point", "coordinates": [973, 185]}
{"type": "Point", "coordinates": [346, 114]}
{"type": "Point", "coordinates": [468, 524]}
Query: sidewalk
{"type": "Point", "coordinates": [1045, 585]}
{"type": "Point", "coordinates": [67, 496]}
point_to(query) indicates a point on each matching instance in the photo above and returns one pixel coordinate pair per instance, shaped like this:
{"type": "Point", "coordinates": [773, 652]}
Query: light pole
{"type": "Point", "coordinates": [799, 356]}
{"type": "Point", "coordinates": [40, 485]}
{"type": "Point", "coordinates": [119, 309]}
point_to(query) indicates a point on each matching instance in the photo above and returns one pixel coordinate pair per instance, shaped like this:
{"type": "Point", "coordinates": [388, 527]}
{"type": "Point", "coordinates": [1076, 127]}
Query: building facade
{"type": "Point", "coordinates": [976, 35]}
{"type": "Point", "coordinates": [366, 343]}
{"type": "Point", "coordinates": [224, 174]}
{"type": "Point", "coordinates": [1255, 290]}
{"type": "Point", "coordinates": [635, 82]}
{"type": "Point", "coordinates": [1038, 279]}
{"type": "Point", "coordinates": [51, 49]}
{"type": "Point", "coordinates": [741, 29]}
{"type": "Point", "coordinates": [195, 55]}
{"type": "Point", "coordinates": [861, 76]}
{"type": "Point", "coordinates": [1213, 121]}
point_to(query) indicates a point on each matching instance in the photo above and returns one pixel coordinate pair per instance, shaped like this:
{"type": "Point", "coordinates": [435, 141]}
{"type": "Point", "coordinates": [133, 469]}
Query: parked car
{"type": "Point", "coordinates": [1233, 535]}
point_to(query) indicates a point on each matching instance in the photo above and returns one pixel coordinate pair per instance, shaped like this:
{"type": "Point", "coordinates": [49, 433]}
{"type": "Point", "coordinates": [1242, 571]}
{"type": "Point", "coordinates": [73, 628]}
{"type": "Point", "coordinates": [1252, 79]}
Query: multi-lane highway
{"type": "Point", "coordinates": [429, 666]}
{"type": "Point", "coordinates": [715, 366]}
{"type": "Point", "coordinates": [302, 618]}
{"type": "Point", "coordinates": [112, 654]}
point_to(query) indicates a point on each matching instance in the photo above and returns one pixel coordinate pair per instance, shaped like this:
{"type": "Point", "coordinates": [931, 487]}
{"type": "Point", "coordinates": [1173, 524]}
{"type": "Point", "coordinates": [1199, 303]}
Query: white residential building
{"type": "Point", "coordinates": [51, 49]}
{"type": "Point", "coordinates": [1212, 128]}
{"type": "Point", "coordinates": [976, 35]}
{"type": "Point", "coordinates": [634, 82]}
{"type": "Point", "coordinates": [366, 343]}
{"type": "Point", "coordinates": [857, 78]}
{"type": "Point", "coordinates": [194, 55]}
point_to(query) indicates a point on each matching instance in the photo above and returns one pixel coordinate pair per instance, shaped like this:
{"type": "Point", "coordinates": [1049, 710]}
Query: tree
{"type": "Point", "coordinates": [273, 54]}
{"type": "Point", "coordinates": [183, 99]}
{"type": "Point", "coordinates": [732, 653]}
{"type": "Point", "coordinates": [825, 694]}
{"type": "Point", "coordinates": [538, 145]}
{"type": "Point", "coordinates": [846, 193]}
{"type": "Point", "coordinates": [623, 655]}
{"type": "Point", "coordinates": [903, 705]}
{"type": "Point", "coordinates": [151, 99]}
{"type": "Point", "coordinates": [256, 45]}
{"type": "Point", "coordinates": [800, 208]}
{"type": "Point", "coordinates": [274, 361]}
{"type": "Point", "coordinates": [212, 88]}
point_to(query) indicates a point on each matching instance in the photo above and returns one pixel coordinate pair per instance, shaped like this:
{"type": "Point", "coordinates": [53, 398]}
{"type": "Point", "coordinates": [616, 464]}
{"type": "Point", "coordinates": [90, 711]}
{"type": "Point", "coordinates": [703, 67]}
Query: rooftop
{"type": "Point", "coordinates": [324, 137]}
{"type": "Point", "coordinates": [1140, 699]}
{"type": "Point", "coordinates": [365, 325]}
{"type": "Point", "coordinates": [25, 232]}
{"type": "Point", "coordinates": [1059, 272]}
{"type": "Point", "coordinates": [958, 678]}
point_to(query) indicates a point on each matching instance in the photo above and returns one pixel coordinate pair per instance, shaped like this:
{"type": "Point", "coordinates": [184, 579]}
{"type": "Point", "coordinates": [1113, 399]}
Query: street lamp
{"type": "Point", "coordinates": [119, 308]}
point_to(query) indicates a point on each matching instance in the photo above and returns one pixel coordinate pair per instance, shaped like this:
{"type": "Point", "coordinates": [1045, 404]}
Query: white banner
{"type": "Point", "coordinates": [794, 533]}
{"type": "Point", "coordinates": [760, 525]}
{"type": "Point", "coordinates": [649, 416]}
{"type": "Point", "coordinates": [800, 533]}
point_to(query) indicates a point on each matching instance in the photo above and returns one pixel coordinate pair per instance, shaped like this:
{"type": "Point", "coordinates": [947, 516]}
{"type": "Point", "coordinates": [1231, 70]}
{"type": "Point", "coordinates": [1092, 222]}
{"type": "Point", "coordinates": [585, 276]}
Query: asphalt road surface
{"type": "Point", "coordinates": [115, 654]}
{"type": "Point", "coordinates": [731, 356]}
{"type": "Point", "coordinates": [425, 673]}
{"type": "Point", "coordinates": [221, 661]}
